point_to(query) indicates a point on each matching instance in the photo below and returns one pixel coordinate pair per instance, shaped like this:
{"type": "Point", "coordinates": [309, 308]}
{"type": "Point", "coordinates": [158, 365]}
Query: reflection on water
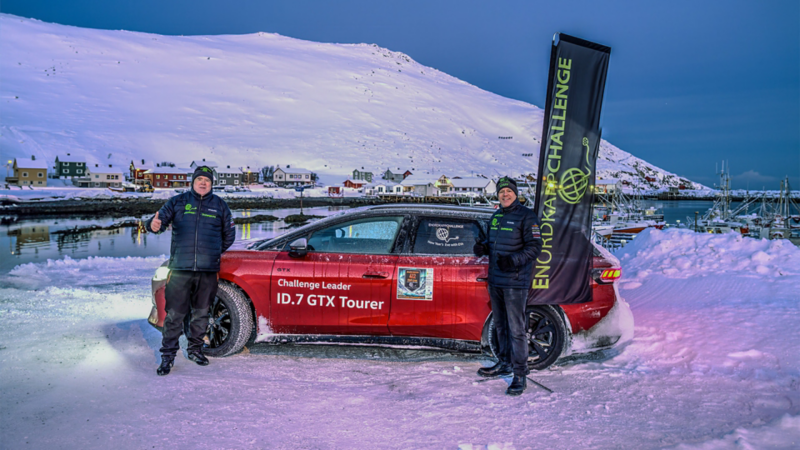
{"type": "Point", "coordinates": [38, 240]}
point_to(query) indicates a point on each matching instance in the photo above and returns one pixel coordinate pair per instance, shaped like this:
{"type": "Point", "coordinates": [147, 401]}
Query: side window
{"type": "Point", "coordinates": [373, 236]}
{"type": "Point", "coordinates": [446, 236]}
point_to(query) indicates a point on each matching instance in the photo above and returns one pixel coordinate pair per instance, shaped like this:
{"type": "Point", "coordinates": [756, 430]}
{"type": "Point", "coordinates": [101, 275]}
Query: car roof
{"type": "Point", "coordinates": [430, 208]}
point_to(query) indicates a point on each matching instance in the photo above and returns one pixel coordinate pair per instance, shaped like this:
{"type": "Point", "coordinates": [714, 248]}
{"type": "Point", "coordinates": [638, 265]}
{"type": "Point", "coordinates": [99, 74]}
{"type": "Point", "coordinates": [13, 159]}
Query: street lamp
{"type": "Point", "coordinates": [8, 164]}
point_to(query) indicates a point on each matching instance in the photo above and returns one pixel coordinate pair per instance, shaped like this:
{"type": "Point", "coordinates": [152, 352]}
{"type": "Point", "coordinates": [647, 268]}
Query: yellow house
{"type": "Point", "coordinates": [28, 172]}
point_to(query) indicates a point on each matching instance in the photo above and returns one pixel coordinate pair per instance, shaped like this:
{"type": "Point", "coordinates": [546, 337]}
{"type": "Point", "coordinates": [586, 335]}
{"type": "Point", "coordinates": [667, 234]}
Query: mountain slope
{"type": "Point", "coordinates": [258, 99]}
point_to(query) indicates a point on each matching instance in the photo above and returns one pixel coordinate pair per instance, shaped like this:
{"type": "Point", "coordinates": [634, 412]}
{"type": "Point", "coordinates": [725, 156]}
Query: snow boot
{"type": "Point", "coordinates": [518, 385]}
{"type": "Point", "coordinates": [166, 364]}
{"type": "Point", "coordinates": [498, 370]}
{"type": "Point", "coordinates": [198, 357]}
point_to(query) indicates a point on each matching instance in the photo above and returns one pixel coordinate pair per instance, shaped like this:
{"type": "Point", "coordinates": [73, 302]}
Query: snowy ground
{"type": "Point", "coordinates": [714, 365]}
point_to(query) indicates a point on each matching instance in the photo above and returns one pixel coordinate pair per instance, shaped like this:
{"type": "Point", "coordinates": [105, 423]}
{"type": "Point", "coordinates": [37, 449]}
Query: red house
{"type": "Point", "coordinates": [168, 177]}
{"type": "Point", "coordinates": [354, 184]}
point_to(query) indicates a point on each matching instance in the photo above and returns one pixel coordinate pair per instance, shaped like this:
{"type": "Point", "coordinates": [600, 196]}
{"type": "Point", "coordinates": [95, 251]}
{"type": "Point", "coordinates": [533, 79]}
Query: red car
{"type": "Point", "coordinates": [390, 274]}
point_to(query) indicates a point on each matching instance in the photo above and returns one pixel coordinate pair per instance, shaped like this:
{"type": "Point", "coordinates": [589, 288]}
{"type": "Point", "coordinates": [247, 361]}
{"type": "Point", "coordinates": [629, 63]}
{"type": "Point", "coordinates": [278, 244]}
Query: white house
{"type": "Point", "coordinates": [606, 186]}
{"type": "Point", "coordinates": [383, 188]}
{"type": "Point", "coordinates": [471, 186]}
{"type": "Point", "coordinates": [102, 176]}
{"type": "Point", "coordinates": [289, 177]}
{"type": "Point", "coordinates": [422, 185]}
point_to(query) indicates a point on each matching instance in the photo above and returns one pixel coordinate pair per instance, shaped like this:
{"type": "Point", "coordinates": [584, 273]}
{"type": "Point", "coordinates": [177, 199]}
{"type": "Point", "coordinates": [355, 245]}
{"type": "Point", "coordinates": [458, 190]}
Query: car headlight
{"type": "Point", "coordinates": [161, 273]}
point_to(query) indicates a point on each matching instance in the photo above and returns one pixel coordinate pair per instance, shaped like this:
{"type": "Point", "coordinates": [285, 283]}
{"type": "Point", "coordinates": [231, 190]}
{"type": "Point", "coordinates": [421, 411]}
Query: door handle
{"type": "Point", "coordinates": [376, 275]}
{"type": "Point", "coordinates": [486, 278]}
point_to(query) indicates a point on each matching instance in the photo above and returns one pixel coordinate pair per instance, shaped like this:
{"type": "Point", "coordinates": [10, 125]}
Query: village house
{"type": "Point", "coordinates": [354, 184]}
{"type": "Point", "coordinates": [362, 175]}
{"type": "Point", "coordinates": [28, 172]}
{"type": "Point", "coordinates": [249, 176]}
{"type": "Point", "coordinates": [424, 185]}
{"type": "Point", "coordinates": [397, 175]}
{"type": "Point", "coordinates": [290, 177]}
{"type": "Point", "coordinates": [100, 176]}
{"type": "Point", "coordinates": [606, 186]}
{"type": "Point", "coordinates": [68, 166]}
{"type": "Point", "coordinates": [228, 177]}
{"type": "Point", "coordinates": [168, 177]}
{"type": "Point", "coordinates": [383, 188]}
{"type": "Point", "coordinates": [137, 170]}
{"type": "Point", "coordinates": [471, 187]}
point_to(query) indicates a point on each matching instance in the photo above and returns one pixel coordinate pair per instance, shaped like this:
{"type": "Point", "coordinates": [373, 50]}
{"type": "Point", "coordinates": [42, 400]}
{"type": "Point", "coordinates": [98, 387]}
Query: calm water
{"type": "Point", "coordinates": [34, 241]}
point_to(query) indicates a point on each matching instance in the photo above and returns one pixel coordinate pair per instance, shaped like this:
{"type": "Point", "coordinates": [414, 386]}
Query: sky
{"type": "Point", "coordinates": [690, 84]}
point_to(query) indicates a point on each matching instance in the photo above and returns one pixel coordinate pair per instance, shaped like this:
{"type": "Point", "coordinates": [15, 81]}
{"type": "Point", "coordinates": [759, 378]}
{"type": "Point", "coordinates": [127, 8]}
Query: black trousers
{"type": "Point", "coordinates": [508, 310]}
{"type": "Point", "coordinates": [187, 292]}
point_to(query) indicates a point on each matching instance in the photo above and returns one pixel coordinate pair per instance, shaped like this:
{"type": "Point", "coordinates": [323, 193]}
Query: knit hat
{"type": "Point", "coordinates": [203, 171]}
{"type": "Point", "coordinates": [507, 182]}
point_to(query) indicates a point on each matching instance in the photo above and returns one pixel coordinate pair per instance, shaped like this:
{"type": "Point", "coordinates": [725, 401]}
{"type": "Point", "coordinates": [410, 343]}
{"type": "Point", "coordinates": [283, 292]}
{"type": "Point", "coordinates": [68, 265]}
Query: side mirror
{"type": "Point", "coordinates": [298, 248]}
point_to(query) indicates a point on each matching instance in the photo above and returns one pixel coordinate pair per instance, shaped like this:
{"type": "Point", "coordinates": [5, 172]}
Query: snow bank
{"type": "Point", "coordinates": [680, 253]}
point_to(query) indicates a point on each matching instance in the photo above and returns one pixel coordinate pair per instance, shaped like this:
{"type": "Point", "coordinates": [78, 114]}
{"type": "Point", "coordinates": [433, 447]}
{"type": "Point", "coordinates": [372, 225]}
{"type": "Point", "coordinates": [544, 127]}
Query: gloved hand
{"type": "Point", "coordinates": [506, 263]}
{"type": "Point", "coordinates": [480, 249]}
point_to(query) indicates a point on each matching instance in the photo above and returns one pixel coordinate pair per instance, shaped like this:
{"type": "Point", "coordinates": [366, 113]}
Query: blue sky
{"type": "Point", "coordinates": [690, 83]}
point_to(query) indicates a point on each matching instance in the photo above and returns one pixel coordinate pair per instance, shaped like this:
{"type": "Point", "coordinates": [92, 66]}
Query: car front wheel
{"type": "Point", "coordinates": [546, 333]}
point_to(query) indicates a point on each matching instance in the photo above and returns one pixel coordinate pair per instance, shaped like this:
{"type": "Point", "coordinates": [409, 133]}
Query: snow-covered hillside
{"type": "Point", "coordinates": [260, 99]}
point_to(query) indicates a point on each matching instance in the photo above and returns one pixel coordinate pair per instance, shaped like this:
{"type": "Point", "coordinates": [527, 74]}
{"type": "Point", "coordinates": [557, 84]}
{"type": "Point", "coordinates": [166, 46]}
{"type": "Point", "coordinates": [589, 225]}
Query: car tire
{"type": "Point", "coordinates": [230, 322]}
{"type": "Point", "coordinates": [546, 332]}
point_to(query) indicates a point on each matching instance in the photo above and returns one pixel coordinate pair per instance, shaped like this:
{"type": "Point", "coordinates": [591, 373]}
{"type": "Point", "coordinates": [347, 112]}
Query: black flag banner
{"type": "Point", "coordinates": [566, 177]}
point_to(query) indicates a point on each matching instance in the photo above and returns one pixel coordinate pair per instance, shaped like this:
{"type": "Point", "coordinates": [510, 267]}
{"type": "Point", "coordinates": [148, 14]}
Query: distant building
{"type": "Point", "coordinates": [397, 175]}
{"type": "Point", "coordinates": [100, 176]}
{"type": "Point", "coordinates": [69, 166]}
{"type": "Point", "coordinates": [168, 177]}
{"type": "Point", "coordinates": [354, 184]}
{"type": "Point", "coordinates": [249, 176]}
{"type": "Point", "coordinates": [422, 185]}
{"type": "Point", "coordinates": [290, 177]}
{"type": "Point", "coordinates": [137, 170]}
{"type": "Point", "coordinates": [362, 175]}
{"type": "Point", "coordinates": [606, 186]}
{"type": "Point", "coordinates": [471, 186]}
{"type": "Point", "coordinates": [228, 177]}
{"type": "Point", "coordinates": [28, 172]}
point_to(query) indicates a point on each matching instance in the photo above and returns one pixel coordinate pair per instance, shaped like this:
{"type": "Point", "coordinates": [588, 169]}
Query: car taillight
{"type": "Point", "coordinates": [606, 276]}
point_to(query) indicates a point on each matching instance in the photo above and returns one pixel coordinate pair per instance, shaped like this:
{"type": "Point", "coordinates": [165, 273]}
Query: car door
{"type": "Point", "coordinates": [440, 288]}
{"type": "Point", "coordinates": [343, 284]}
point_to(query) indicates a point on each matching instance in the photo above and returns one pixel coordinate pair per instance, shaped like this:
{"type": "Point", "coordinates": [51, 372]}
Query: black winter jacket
{"type": "Point", "coordinates": [202, 229]}
{"type": "Point", "coordinates": [513, 231]}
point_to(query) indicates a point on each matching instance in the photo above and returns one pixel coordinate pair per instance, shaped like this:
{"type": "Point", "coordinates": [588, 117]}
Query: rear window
{"type": "Point", "coordinates": [445, 236]}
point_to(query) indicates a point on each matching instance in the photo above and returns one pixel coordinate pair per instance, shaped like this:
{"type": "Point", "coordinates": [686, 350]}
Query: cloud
{"type": "Point", "coordinates": [755, 179]}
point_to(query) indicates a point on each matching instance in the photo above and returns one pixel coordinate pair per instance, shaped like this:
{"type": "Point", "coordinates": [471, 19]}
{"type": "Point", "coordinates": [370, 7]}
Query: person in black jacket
{"type": "Point", "coordinates": [513, 244]}
{"type": "Point", "coordinates": [202, 229]}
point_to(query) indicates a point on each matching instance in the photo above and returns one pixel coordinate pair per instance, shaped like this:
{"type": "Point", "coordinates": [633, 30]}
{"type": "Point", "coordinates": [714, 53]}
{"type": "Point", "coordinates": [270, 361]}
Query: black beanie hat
{"type": "Point", "coordinates": [507, 182]}
{"type": "Point", "coordinates": [203, 171]}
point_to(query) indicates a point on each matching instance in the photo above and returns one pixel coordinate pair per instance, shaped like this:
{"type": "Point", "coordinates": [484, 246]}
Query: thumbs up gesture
{"type": "Point", "coordinates": [155, 224]}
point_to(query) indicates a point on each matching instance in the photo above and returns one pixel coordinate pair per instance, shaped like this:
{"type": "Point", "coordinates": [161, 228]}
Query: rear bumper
{"type": "Point", "coordinates": [613, 330]}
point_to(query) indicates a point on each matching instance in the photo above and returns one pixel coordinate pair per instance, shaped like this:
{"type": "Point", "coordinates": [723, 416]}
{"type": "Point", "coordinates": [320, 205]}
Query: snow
{"type": "Point", "coordinates": [713, 364]}
{"type": "Point", "coordinates": [260, 99]}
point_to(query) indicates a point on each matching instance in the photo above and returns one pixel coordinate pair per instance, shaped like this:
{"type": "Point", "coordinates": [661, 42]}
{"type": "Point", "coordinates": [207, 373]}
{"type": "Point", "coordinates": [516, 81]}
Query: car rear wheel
{"type": "Point", "coordinates": [230, 322]}
{"type": "Point", "coordinates": [546, 332]}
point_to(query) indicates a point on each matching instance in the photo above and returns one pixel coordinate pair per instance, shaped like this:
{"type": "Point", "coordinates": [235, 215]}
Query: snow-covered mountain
{"type": "Point", "coordinates": [261, 99]}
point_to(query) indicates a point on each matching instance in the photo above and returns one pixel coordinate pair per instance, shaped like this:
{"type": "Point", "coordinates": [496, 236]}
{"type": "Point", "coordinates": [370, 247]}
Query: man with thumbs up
{"type": "Point", "coordinates": [202, 229]}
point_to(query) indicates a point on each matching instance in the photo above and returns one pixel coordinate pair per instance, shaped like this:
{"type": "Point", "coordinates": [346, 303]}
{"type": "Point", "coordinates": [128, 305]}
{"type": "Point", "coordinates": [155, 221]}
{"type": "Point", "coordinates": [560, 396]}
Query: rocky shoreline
{"type": "Point", "coordinates": [121, 207]}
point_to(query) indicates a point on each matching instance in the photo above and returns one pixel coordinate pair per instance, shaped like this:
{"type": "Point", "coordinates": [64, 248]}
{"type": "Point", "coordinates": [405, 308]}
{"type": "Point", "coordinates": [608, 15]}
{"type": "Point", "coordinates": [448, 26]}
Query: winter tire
{"type": "Point", "coordinates": [230, 322]}
{"type": "Point", "coordinates": [547, 336]}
